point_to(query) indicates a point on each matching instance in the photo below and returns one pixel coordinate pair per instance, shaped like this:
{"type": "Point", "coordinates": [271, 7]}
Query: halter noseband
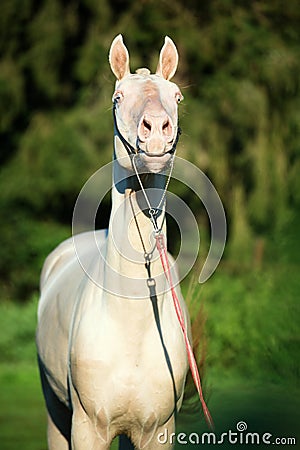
{"type": "Point", "coordinates": [133, 151]}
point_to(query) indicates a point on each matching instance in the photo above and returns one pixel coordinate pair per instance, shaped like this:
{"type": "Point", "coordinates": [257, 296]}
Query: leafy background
{"type": "Point", "coordinates": [239, 73]}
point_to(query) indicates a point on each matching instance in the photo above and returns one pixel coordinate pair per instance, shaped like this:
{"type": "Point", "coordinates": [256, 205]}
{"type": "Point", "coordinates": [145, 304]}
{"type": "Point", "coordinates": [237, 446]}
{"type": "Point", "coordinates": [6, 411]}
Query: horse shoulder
{"type": "Point", "coordinates": [63, 285]}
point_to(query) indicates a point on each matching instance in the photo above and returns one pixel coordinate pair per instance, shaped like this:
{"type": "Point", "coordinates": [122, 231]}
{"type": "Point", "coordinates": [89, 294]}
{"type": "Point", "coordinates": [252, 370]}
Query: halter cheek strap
{"type": "Point", "coordinates": [134, 150]}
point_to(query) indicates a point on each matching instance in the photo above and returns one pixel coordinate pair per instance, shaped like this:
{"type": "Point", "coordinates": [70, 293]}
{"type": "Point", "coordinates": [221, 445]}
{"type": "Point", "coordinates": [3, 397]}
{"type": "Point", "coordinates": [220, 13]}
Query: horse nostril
{"type": "Point", "coordinates": [167, 128]}
{"type": "Point", "coordinates": [147, 125]}
{"type": "Point", "coordinates": [165, 124]}
{"type": "Point", "coordinates": [145, 129]}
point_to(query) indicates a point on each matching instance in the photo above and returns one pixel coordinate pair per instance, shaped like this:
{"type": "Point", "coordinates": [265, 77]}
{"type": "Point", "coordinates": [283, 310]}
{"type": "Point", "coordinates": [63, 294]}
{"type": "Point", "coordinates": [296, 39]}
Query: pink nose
{"type": "Point", "coordinates": [155, 127]}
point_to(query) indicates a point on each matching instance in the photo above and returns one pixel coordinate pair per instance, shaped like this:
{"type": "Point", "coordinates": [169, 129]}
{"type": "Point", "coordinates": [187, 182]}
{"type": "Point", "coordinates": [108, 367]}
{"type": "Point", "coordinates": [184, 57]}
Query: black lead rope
{"type": "Point", "coordinates": [129, 148]}
{"type": "Point", "coordinates": [151, 283]}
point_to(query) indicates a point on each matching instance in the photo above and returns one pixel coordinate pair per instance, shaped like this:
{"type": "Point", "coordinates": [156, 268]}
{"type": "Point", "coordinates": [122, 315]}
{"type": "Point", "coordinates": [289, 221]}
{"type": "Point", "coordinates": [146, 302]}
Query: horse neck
{"type": "Point", "coordinates": [129, 237]}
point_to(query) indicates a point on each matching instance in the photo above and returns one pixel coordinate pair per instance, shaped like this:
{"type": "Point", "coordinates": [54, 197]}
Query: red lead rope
{"type": "Point", "coordinates": [160, 244]}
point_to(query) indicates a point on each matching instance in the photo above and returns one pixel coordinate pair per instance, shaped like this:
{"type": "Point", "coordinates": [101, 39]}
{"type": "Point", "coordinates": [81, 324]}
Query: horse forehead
{"type": "Point", "coordinates": [150, 88]}
{"type": "Point", "coordinates": [148, 85]}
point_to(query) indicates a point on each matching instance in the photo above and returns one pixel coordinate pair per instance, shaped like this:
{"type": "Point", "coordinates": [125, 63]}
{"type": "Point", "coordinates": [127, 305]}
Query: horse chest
{"type": "Point", "coordinates": [128, 372]}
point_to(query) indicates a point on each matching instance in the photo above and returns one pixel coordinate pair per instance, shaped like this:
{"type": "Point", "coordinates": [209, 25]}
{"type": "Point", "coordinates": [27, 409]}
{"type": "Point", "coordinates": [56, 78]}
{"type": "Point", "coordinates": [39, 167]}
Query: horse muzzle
{"type": "Point", "coordinates": [152, 161]}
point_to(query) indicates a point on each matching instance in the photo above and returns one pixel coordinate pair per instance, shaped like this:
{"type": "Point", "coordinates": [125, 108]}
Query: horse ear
{"type": "Point", "coordinates": [119, 58]}
{"type": "Point", "coordinates": [168, 60]}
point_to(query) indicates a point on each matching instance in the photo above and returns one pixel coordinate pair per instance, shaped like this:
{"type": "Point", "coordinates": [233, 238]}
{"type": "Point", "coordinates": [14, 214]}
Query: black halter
{"type": "Point", "coordinates": [133, 151]}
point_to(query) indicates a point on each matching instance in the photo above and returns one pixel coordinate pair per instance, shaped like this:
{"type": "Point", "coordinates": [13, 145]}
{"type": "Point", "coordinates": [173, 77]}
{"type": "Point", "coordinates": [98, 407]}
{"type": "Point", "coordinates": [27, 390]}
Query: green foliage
{"type": "Point", "coordinates": [11, 93]}
{"type": "Point", "coordinates": [29, 241]}
{"type": "Point", "coordinates": [247, 325]}
{"type": "Point", "coordinates": [17, 337]}
{"type": "Point", "coordinates": [252, 317]}
{"type": "Point", "coordinates": [239, 72]}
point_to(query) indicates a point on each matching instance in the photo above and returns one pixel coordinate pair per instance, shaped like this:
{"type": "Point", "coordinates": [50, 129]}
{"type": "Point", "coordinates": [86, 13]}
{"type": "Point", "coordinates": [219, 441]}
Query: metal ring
{"type": "Point", "coordinates": [153, 212]}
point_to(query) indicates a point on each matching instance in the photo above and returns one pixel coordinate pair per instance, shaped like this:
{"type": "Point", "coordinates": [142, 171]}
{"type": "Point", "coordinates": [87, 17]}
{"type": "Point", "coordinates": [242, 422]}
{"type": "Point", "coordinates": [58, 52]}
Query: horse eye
{"type": "Point", "coordinates": [179, 97]}
{"type": "Point", "coordinates": [118, 96]}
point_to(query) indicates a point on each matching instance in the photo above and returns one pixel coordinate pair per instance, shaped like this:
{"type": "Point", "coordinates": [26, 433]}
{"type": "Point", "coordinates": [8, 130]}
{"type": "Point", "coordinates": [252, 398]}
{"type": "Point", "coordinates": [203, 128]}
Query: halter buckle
{"type": "Point", "coordinates": [153, 217]}
{"type": "Point", "coordinates": [151, 282]}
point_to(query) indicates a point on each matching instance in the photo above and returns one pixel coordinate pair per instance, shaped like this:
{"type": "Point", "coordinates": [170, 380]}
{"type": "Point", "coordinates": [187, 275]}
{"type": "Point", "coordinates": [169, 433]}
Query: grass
{"type": "Point", "coordinates": [22, 413]}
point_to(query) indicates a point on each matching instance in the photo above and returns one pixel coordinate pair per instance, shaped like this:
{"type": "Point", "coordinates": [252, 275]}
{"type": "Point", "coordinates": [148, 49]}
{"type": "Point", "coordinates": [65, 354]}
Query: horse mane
{"type": "Point", "coordinates": [143, 71]}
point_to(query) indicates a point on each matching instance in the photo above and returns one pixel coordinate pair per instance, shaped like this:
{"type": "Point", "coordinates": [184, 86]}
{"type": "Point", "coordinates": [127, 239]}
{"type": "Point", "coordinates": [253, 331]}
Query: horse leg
{"type": "Point", "coordinates": [55, 439]}
{"type": "Point", "coordinates": [163, 438]}
{"type": "Point", "coordinates": [87, 433]}
{"type": "Point", "coordinates": [59, 416]}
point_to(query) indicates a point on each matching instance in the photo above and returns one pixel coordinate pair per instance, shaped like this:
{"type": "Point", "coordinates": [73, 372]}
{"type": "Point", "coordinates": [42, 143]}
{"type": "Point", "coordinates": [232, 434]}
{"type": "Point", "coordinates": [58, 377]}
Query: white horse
{"type": "Point", "coordinates": [111, 352]}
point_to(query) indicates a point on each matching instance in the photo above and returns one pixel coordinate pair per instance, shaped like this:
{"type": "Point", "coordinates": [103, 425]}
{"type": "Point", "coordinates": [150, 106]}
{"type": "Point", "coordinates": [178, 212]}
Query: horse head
{"type": "Point", "coordinates": [145, 108]}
